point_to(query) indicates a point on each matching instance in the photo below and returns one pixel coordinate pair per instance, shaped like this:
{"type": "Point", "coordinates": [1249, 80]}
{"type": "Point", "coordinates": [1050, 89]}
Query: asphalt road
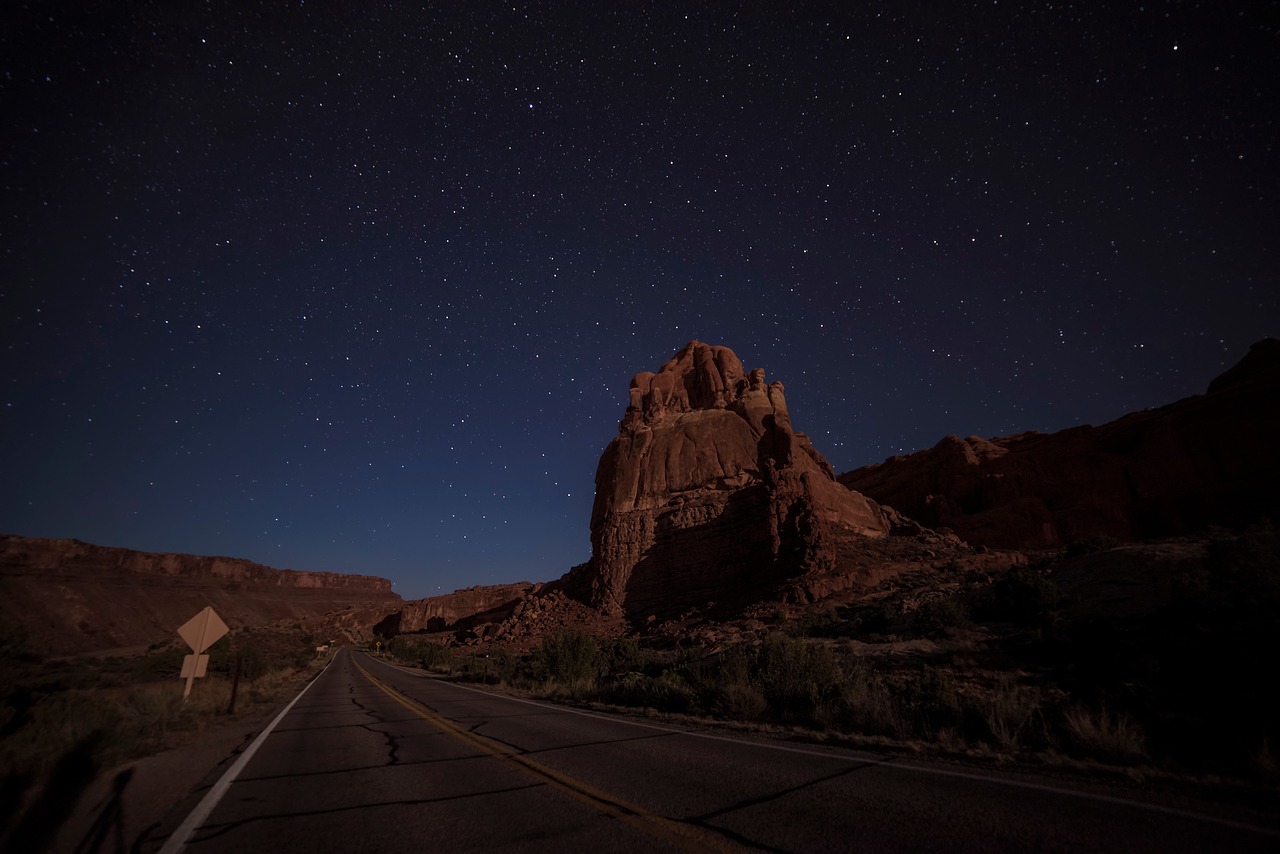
{"type": "Point", "coordinates": [373, 758]}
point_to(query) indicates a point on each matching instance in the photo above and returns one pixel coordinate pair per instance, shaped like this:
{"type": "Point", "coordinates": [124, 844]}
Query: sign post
{"type": "Point", "coordinates": [200, 632]}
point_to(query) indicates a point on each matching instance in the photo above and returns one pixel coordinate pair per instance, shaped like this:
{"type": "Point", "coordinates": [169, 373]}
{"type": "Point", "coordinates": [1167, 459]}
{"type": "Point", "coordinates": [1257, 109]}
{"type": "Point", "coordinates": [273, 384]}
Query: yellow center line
{"type": "Point", "coordinates": [678, 833]}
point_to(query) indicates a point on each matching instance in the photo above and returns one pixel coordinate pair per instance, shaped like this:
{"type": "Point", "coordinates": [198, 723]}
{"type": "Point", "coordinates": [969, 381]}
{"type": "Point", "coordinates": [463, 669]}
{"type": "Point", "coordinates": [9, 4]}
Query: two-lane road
{"type": "Point", "coordinates": [376, 758]}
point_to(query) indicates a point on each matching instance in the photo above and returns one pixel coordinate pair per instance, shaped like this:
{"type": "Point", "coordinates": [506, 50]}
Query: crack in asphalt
{"type": "Point", "coordinates": [219, 829]}
{"type": "Point", "coordinates": [704, 821]}
{"type": "Point", "coordinates": [546, 750]}
{"type": "Point", "coordinates": [393, 744]}
{"type": "Point", "coordinates": [338, 771]}
{"type": "Point", "coordinates": [773, 796]}
{"type": "Point", "coordinates": [342, 726]}
{"type": "Point", "coordinates": [368, 711]}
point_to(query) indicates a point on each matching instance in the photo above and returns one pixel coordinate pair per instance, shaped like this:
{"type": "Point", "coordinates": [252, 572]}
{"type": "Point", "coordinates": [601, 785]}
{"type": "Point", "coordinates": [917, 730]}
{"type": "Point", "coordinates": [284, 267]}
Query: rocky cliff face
{"type": "Point", "coordinates": [486, 604]}
{"type": "Point", "coordinates": [708, 492]}
{"type": "Point", "coordinates": [76, 597]}
{"type": "Point", "coordinates": [1213, 458]}
{"type": "Point", "coordinates": [58, 558]}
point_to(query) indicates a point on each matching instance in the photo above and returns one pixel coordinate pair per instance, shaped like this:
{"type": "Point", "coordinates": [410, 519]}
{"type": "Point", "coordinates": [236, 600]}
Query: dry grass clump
{"type": "Point", "coordinates": [102, 712]}
{"type": "Point", "coordinates": [1008, 712]}
{"type": "Point", "coordinates": [1103, 734]}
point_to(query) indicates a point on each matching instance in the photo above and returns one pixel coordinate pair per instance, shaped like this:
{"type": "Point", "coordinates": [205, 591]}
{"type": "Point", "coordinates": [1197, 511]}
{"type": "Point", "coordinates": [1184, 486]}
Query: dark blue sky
{"type": "Point", "coordinates": [360, 286]}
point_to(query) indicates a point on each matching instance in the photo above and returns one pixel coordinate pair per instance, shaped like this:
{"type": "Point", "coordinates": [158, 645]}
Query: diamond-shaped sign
{"type": "Point", "coordinates": [202, 630]}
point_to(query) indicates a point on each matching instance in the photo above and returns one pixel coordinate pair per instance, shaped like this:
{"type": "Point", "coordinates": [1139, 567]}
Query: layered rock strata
{"type": "Point", "coordinates": [1209, 459]}
{"type": "Point", "coordinates": [73, 597]}
{"type": "Point", "coordinates": [479, 604]}
{"type": "Point", "coordinates": [708, 493]}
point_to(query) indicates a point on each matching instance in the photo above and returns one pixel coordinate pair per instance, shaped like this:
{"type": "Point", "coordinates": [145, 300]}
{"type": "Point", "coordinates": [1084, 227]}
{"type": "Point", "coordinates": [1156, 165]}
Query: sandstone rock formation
{"type": "Point", "coordinates": [708, 493]}
{"type": "Point", "coordinates": [1213, 458]}
{"type": "Point", "coordinates": [76, 597]}
{"type": "Point", "coordinates": [483, 604]}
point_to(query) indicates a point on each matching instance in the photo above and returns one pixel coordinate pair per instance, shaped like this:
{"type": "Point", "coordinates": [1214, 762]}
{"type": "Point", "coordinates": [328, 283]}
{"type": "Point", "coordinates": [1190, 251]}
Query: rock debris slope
{"type": "Point", "coordinates": [708, 494]}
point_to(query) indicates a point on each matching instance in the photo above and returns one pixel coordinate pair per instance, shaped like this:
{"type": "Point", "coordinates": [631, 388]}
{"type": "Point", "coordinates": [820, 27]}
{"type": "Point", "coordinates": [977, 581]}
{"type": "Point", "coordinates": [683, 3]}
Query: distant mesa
{"type": "Point", "coordinates": [708, 493]}
{"type": "Point", "coordinates": [1209, 459]}
{"type": "Point", "coordinates": [75, 597]}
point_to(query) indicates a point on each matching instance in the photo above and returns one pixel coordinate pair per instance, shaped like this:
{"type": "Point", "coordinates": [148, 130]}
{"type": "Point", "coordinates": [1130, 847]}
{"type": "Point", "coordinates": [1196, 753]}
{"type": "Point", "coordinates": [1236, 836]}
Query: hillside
{"type": "Point", "coordinates": [74, 597]}
{"type": "Point", "coordinates": [1211, 459]}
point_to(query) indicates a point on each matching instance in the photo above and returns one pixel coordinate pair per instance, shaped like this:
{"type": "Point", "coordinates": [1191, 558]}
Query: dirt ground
{"type": "Point", "coordinates": [121, 809]}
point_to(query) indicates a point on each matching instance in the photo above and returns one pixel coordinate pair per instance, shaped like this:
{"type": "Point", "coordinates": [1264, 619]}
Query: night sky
{"type": "Point", "coordinates": [360, 287]}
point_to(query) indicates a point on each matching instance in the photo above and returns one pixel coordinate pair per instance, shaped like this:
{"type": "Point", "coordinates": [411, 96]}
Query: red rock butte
{"type": "Point", "coordinates": [707, 493]}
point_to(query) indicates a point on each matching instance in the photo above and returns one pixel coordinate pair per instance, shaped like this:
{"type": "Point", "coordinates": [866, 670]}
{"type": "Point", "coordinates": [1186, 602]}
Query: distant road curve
{"type": "Point", "coordinates": [373, 757]}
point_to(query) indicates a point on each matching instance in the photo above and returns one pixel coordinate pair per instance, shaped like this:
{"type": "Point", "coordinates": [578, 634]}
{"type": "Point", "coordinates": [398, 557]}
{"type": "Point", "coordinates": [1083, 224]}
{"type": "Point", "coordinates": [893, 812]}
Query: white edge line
{"type": "Point", "coordinates": [178, 840]}
{"type": "Point", "coordinates": [851, 757]}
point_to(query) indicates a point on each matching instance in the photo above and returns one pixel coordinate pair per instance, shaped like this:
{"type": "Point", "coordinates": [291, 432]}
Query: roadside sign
{"type": "Point", "coordinates": [200, 632]}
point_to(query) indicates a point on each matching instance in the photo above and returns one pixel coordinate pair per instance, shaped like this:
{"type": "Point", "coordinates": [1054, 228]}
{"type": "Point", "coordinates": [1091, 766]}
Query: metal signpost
{"type": "Point", "coordinates": [200, 632]}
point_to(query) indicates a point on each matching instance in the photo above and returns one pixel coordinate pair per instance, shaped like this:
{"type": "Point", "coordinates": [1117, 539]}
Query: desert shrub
{"type": "Point", "coordinates": [272, 685]}
{"type": "Point", "coordinates": [156, 708]}
{"type": "Point", "coordinates": [1022, 596]}
{"type": "Point", "coordinates": [625, 655]}
{"type": "Point", "coordinates": [930, 702]}
{"type": "Point", "coordinates": [503, 666]}
{"type": "Point", "coordinates": [16, 666]}
{"type": "Point", "coordinates": [827, 624]}
{"type": "Point", "coordinates": [740, 701]}
{"type": "Point", "coordinates": [221, 658]}
{"type": "Point", "coordinates": [729, 687]}
{"type": "Point", "coordinates": [936, 615]}
{"type": "Point", "coordinates": [1007, 713]}
{"type": "Point", "coordinates": [159, 666]}
{"type": "Point", "coordinates": [253, 664]}
{"type": "Point", "coordinates": [1091, 545]}
{"type": "Point", "coordinates": [1247, 566]}
{"type": "Point", "coordinates": [668, 692]}
{"type": "Point", "coordinates": [875, 621]}
{"type": "Point", "coordinates": [474, 667]}
{"type": "Point", "coordinates": [568, 656]}
{"type": "Point", "coordinates": [1216, 708]}
{"type": "Point", "coordinates": [1104, 735]}
{"type": "Point", "coordinates": [62, 724]}
{"type": "Point", "coordinates": [797, 679]}
{"type": "Point", "coordinates": [402, 647]}
{"type": "Point", "coordinates": [870, 706]}
{"type": "Point", "coordinates": [435, 656]}
{"type": "Point", "coordinates": [209, 699]}
{"type": "Point", "coordinates": [1266, 761]}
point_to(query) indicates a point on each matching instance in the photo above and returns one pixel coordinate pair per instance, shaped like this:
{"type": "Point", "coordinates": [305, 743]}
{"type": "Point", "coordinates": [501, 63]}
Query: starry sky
{"type": "Point", "coordinates": [361, 286]}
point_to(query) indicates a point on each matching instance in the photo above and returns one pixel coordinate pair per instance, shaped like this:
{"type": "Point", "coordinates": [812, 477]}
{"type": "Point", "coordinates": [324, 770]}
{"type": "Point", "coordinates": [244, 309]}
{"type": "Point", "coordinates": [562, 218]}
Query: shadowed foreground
{"type": "Point", "coordinates": [377, 758]}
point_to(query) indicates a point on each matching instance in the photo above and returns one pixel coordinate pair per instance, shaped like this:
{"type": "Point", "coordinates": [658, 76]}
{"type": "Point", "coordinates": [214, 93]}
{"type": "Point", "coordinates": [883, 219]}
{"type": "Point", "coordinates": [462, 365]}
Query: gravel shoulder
{"type": "Point", "coordinates": [127, 807]}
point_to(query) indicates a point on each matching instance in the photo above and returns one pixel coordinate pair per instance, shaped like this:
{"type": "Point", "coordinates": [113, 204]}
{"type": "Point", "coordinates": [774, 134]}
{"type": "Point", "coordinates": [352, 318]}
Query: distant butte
{"type": "Point", "coordinates": [1209, 459]}
{"type": "Point", "coordinates": [708, 494]}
